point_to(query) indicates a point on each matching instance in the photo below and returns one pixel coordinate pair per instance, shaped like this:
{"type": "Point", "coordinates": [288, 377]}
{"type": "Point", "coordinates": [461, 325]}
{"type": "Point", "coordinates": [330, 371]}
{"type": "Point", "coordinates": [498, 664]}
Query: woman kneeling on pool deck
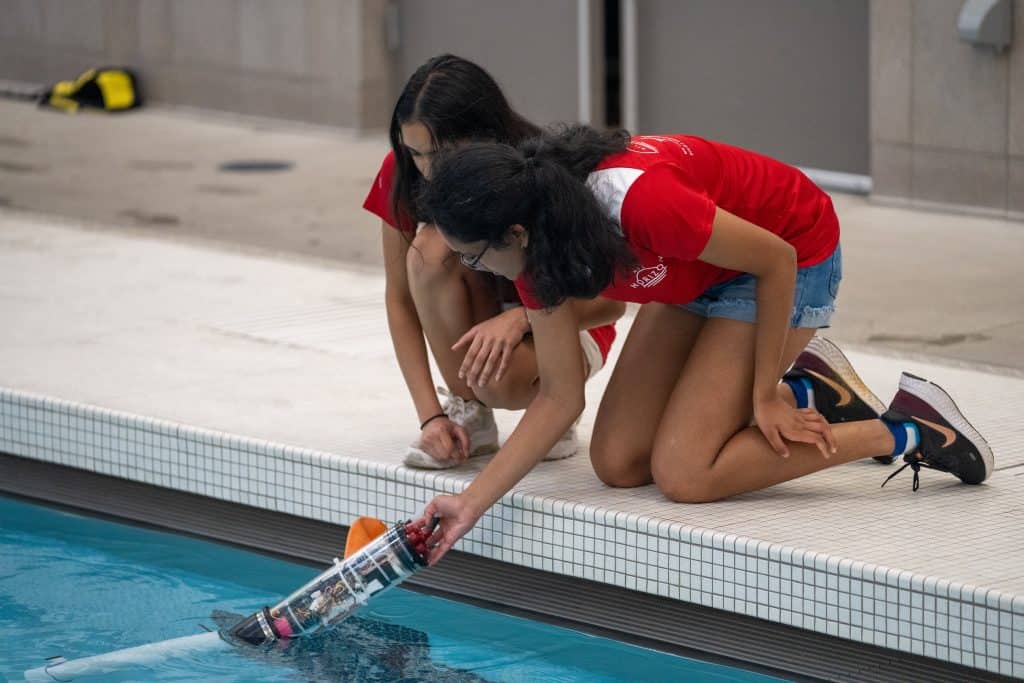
{"type": "Point", "coordinates": [477, 331]}
{"type": "Point", "coordinates": [736, 260]}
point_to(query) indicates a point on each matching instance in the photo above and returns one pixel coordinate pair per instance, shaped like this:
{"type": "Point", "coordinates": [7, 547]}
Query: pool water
{"type": "Point", "coordinates": [77, 586]}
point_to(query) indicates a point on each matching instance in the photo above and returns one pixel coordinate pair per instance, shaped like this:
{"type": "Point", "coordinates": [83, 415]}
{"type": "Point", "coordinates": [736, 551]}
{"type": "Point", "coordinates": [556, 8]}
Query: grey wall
{"type": "Point", "coordinates": [947, 118]}
{"type": "Point", "coordinates": [788, 78]}
{"type": "Point", "coordinates": [529, 46]}
{"type": "Point", "coordinates": [322, 61]}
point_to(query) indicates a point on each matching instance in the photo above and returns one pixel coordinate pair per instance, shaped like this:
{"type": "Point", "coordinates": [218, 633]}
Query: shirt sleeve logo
{"type": "Point", "coordinates": [649, 276]}
{"type": "Point", "coordinates": [645, 144]}
{"type": "Point", "coordinates": [640, 147]}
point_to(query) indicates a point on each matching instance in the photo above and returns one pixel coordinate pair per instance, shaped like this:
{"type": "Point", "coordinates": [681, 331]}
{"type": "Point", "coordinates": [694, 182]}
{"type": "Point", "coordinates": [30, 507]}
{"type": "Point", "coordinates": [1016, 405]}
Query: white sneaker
{"type": "Point", "coordinates": [476, 418]}
{"type": "Point", "coordinates": [566, 447]}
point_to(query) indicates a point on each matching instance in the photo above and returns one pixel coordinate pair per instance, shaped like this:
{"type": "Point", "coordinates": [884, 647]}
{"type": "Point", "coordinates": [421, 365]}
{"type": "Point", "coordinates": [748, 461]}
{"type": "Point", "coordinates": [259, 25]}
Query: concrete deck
{"type": "Point", "coordinates": [296, 352]}
{"type": "Point", "coordinates": [915, 281]}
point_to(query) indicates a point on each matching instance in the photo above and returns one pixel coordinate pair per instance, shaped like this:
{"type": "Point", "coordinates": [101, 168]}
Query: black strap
{"type": "Point", "coordinates": [431, 419]}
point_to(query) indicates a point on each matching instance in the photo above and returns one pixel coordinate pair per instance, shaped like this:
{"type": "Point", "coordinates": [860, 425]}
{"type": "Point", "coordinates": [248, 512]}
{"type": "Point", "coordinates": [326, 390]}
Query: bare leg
{"type": "Point", "coordinates": [705, 451]}
{"type": "Point", "coordinates": [518, 385]}
{"type": "Point", "coordinates": [643, 379]}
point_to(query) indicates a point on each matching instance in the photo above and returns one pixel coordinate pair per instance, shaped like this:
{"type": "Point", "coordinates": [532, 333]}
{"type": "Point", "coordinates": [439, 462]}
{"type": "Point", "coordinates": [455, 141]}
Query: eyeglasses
{"type": "Point", "coordinates": [473, 262]}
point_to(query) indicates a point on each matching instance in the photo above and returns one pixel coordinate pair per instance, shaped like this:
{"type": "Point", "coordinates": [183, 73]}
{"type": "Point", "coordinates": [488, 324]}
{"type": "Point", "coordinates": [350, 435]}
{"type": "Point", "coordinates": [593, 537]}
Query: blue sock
{"type": "Point", "coordinates": [803, 391]}
{"type": "Point", "coordinates": [905, 435]}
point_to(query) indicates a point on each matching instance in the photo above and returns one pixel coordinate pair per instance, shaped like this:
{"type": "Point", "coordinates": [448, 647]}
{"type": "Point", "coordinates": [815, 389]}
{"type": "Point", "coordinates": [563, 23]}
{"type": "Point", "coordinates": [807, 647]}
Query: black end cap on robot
{"type": "Point", "coordinates": [251, 631]}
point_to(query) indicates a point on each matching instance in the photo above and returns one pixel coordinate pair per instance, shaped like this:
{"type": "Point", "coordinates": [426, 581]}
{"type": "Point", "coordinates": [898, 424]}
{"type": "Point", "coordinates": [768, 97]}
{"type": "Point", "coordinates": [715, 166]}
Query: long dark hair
{"type": "Point", "coordinates": [455, 100]}
{"type": "Point", "coordinates": [575, 248]}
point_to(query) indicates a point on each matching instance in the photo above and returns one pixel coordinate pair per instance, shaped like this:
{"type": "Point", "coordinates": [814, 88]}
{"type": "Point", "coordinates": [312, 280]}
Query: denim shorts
{"type": "Point", "coordinates": [814, 300]}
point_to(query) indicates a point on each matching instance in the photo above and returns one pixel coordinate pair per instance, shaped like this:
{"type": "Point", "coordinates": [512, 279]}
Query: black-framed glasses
{"type": "Point", "coordinates": [473, 262]}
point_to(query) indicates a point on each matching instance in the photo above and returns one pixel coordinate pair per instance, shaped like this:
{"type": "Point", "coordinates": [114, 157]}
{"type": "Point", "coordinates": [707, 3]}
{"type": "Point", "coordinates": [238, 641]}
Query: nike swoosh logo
{"type": "Point", "coordinates": [945, 431]}
{"type": "Point", "coordinates": [844, 394]}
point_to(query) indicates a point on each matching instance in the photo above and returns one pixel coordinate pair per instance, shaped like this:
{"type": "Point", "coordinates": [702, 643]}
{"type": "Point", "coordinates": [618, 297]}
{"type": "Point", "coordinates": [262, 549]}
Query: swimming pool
{"type": "Point", "coordinates": [78, 586]}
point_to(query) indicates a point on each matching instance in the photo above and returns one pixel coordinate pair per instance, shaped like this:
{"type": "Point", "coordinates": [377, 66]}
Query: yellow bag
{"type": "Point", "coordinates": [109, 89]}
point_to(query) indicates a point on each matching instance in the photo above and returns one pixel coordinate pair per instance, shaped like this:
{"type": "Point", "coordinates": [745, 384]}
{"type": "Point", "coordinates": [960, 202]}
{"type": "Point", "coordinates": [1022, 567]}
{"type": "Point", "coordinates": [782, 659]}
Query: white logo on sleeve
{"type": "Point", "coordinates": [649, 276]}
{"type": "Point", "coordinates": [640, 145]}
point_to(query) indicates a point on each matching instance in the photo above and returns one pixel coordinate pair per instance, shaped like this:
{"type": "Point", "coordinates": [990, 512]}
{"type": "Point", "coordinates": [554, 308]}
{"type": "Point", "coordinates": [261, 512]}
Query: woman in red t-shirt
{"type": "Point", "coordinates": [478, 333]}
{"type": "Point", "coordinates": [735, 258]}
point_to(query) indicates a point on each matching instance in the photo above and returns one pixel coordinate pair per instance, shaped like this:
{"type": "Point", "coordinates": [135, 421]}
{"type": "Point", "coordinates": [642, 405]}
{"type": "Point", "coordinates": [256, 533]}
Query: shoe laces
{"type": "Point", "coordinates": [941, 464]}
{"type": "Point", "coordinates": [455, 407]}
{"type": "Point", "coordinates": [913, 464]}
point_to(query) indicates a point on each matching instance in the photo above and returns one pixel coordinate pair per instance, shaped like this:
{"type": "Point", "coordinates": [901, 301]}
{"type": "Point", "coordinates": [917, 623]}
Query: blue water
{"type": "Point", "coordinates": [77, 586]}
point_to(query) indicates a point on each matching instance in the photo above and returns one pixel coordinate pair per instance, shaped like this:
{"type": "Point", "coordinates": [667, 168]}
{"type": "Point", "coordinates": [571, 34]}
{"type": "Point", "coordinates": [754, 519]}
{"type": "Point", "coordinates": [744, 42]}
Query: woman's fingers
{"type": "Point", "coordinates": [435, 554]}
{"type": "Point", "coordinates": [473, 376]}
{"type": "Point", "coordinates": [440, 447]}
{"type": "Point", "coordinates": [827, 435]}
{"type": "Point", "coordinates": [436, 535]}
{"type": "Point", "coordinates": [493, 359]}
{"type": "Point", "coordinates": [506, 357]}
{"type": "Point", "coordinates": [470, 358]}
{"type": "Point", "coordinates": [456, 454]}
{"type": "Point", "coordinates": [809, 429]}
{"type": "Point", "coordinates": [830, 437]}
{"type": "Point", "coordinates": [775, 439]}
{"type": "Point", "coordinates": [819, 442]}
{"type": "Point", "coordinates": [429, 513]}
{"type": "Point", "coordinates": [465, 339]}
{"type": "Point", "coordinates": [439, 541]}
{"type": "Point", "coordinates": [463, 436]}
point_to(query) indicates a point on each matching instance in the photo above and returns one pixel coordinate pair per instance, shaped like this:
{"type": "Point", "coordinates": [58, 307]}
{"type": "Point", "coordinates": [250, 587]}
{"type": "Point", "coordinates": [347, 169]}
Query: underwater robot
{"type": "Point", "coordinates": [376, 558]}
{"type": "Point", "coordinates": [338, 592]}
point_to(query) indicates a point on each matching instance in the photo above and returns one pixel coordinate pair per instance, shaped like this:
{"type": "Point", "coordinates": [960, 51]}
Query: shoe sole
{"type": "Point", "coordinates": [937, 397]}
{"type": "Point", "coordinates": [417, 459]}
{"type": "Point", "coordinates": [828, 352]}
{"type": "Point", "coordinates": [837, 360]}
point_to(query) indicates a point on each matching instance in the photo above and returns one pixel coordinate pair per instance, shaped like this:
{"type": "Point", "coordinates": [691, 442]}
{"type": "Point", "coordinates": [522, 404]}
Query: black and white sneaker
{"type": "Point", "coordinates": [948, 442]}
{"type": "Point", "coordinates": [839, 394]}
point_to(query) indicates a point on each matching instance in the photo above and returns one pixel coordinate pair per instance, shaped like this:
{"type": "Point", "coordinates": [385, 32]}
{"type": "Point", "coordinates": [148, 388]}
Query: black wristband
{"type": "Point", "coordinates": [432, 418]}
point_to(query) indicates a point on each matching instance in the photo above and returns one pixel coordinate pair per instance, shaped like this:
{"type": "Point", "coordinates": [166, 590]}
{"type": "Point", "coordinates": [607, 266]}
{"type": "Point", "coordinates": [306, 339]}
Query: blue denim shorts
{"type": "Point", "coordinates": [814, 300]}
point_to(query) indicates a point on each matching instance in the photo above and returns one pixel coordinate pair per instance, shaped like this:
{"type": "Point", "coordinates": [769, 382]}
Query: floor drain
{"type": "Point", "coordinates": [258, 166]}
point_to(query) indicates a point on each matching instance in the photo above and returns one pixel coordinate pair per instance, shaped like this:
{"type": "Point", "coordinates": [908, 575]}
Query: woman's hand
{"type": "Point", "coordinates": [456, 516]}
{"type": "Point", "coordinates": [778, 420]}
{"type": "Point", "coordinates": [445, 441]}
{"type": "Point", "coordinates": [489, 346]}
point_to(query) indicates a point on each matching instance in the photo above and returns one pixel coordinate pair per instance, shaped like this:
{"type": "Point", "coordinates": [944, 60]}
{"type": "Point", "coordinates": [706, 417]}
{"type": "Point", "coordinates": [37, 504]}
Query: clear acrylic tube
{"type": "Point", "coordinates": [339, 591]}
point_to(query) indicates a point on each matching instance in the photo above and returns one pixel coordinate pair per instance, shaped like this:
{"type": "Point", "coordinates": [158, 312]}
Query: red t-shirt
{"type": "Point", "coordinates": [378, 202]}
{"type": "Point", "coordinates": [664, 189]}
{"type": "Point", "coordinates": [378, 199]}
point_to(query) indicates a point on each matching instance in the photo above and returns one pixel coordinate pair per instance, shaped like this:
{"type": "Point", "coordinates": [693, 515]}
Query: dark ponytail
{"type": "Point", "coordinates": [576, 148]}
{"type": "Point", "coordinates": [478, 191]}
